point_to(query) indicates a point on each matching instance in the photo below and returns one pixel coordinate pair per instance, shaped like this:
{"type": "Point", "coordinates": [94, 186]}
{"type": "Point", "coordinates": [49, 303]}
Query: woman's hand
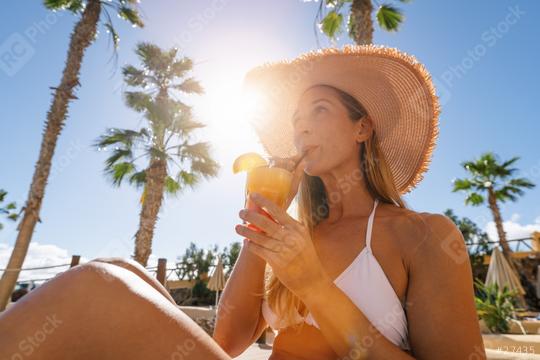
{"type": "Point", "coordinates": [285, 245]}
{"type": "Point", "coordinates": [298, 172]}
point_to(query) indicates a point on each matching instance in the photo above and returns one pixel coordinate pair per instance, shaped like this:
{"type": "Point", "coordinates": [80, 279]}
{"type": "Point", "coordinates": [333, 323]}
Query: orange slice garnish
{"type": "Point", "coordinates": [248, 161]}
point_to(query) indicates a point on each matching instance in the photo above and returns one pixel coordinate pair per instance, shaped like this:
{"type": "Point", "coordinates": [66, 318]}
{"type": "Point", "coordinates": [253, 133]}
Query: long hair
{"type": "Point", "coordinates": [313, 208]}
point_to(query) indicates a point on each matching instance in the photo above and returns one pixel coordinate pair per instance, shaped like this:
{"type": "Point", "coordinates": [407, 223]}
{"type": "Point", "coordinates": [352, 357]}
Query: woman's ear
{"type": "Point", "coordinates": [363, 129]}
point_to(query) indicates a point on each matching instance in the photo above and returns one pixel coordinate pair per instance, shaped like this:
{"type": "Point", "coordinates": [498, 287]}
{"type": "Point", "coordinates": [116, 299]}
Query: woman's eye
{"type": "Point", "coordinates": [320, 109]}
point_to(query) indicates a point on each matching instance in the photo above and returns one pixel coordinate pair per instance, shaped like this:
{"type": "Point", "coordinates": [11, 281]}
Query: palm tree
{"type": "Point", "coordinates": [359, 19]}
{"type": "Point", "coordinates": [173, 161]}
{"type": "Point", "coordinates": [83, 35]}
{"type": "Point", "coordinates": [9, 210]}
{"type": "Point", "coordinates": [492, 179]}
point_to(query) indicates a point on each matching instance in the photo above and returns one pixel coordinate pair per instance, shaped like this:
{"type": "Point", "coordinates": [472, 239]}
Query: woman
{"type": "Point", "coordinates": [357, 276]}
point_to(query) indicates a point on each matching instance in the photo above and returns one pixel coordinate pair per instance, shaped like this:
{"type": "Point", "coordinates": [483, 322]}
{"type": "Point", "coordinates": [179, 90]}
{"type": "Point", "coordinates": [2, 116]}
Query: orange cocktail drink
{"type": "Point", "coordinates": [273, 183]}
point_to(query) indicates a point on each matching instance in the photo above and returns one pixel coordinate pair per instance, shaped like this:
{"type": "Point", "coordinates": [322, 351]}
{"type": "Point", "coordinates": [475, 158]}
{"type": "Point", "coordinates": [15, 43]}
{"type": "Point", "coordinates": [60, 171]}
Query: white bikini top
{"type": "Point", "coordinates": [366, 284]}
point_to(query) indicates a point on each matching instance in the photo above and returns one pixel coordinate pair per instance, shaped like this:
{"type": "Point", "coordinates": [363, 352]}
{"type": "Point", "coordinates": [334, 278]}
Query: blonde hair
{"type": "Point", "coordinates": [313, 208]}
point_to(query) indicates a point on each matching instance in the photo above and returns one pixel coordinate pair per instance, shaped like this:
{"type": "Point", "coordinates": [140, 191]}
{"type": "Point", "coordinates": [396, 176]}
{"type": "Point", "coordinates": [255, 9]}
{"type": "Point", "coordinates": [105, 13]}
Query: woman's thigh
{"type": "Point", "coordinates": [139, 270]}
{"type": "Point", "coordinates": [101, 310]}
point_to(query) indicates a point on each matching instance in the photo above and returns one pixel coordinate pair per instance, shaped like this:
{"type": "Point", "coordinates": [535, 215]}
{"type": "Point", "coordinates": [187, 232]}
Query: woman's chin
{"type": "Point", "coordinates": [312, 169]}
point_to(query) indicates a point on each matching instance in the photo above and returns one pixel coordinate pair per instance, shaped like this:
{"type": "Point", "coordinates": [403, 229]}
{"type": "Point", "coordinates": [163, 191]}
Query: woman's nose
{"type": "Point", "coordinates": [301, 136]}
{"type": "Point", "coordinates": [302, 127]}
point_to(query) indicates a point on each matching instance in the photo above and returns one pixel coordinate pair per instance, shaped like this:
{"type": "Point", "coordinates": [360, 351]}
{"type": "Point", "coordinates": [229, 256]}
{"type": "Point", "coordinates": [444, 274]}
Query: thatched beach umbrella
{"type": "Point", "coordinates": [501, 273]}
{"type": "Point", "coordinates": [217, 280]}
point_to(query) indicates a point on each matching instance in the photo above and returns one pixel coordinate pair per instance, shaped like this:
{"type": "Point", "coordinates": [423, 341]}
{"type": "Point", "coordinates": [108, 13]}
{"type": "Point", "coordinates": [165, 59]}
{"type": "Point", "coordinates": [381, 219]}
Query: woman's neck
{"type": "Point", "coordinates": [347, 195]}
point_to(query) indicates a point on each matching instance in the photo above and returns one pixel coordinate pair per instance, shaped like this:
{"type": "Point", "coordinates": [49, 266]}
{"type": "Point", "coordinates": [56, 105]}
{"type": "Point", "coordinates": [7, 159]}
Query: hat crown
{"type": "Point", "coordinates": [393, 86]}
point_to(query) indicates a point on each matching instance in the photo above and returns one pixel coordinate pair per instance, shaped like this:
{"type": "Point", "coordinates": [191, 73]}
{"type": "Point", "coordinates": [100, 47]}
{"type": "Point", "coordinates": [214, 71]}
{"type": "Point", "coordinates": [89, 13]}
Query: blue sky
{"type": "Point", "coordinates": [482, 56]}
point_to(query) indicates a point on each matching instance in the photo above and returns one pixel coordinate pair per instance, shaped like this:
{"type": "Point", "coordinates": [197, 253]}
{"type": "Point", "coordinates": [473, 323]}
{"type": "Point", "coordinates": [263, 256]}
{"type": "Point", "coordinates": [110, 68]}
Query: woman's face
{"type": "Point", "coordinates": [321, 123]}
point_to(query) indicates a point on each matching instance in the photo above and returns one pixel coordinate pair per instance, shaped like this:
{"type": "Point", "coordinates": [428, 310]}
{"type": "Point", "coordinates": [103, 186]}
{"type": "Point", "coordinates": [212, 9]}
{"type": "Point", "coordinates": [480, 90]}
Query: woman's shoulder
{"type": "Point", "coordinates": [419, 222]}
{"type": "Point", "coordinates": [413, 230]}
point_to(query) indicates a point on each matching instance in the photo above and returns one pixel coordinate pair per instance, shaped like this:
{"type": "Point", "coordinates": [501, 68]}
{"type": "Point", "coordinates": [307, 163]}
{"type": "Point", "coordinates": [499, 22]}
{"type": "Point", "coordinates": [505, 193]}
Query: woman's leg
{"type": "Point", "coordinates": [139, 270]}
{"type": "Point", "coordinates": [101, 310]}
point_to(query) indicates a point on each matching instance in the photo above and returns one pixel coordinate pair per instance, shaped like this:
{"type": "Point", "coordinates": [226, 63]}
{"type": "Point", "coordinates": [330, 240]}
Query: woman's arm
{"type": "Point", "coordinates": [443, 322]}
{"type": "Point", "coordinates": [239, 311]}
{"type": "Point", "coordinates": [347, 330]}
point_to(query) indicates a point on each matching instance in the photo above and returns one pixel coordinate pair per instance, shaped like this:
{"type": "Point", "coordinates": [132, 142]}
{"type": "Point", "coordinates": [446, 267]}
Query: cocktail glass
{"type": "Point", "coordinates": [272, 182]}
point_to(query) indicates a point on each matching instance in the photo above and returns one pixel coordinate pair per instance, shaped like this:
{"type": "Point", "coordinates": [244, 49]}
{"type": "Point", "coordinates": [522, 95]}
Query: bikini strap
{"type": "Point", "coordinates": [370, 226]}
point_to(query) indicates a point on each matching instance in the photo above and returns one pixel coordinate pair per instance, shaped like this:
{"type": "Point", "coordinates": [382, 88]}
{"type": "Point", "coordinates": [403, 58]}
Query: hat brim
{"type": "Point", "coordinates": [395, 89]}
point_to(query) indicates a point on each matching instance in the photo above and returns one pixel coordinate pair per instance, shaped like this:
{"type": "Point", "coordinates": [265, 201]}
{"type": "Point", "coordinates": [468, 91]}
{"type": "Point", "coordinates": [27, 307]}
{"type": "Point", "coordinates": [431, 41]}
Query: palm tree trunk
{"type": "Point", "coordinates": [362, 31]}
{"type": "Point", "coordinates": [492, 201]}
{"type": "Point", "coordinates": [498, 221]}
{"type": "Point", "coordinates": [155, 181]}
{"type": "Point", "coordinates": [81, 37]}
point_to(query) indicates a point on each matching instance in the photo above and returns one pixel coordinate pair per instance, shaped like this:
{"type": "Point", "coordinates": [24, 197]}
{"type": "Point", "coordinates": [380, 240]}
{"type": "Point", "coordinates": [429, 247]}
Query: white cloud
{"type": "Point", "coordinates": [513, 229]}
{"type": "Point", "coordinates": [39, 255]}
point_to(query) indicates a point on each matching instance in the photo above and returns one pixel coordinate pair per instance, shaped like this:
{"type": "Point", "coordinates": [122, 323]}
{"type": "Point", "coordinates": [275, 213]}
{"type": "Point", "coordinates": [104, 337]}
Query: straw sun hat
{"type": "Point", "coordinates": [395, 89]}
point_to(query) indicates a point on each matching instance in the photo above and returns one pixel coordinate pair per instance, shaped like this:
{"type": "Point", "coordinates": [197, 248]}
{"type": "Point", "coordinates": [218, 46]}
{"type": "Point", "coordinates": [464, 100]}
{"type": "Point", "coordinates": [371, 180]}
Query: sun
{"type": "Point", "coordinates": [228, 110]}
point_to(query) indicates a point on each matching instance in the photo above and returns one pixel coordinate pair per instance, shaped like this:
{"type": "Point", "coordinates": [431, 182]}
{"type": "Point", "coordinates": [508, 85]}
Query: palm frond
{"type": "Point", "coordinates": [131, 15]}
{"type": "Point", "coordinates": [171, 186]}
{"type": "Point", "coordinates": [462, 184]}
{"type": "Point", "coordinates": [198, 151]}
{"type": "Point", "coordinates": [331, 24]}
{"type": "Point", "coordinates": [510, 162]}
{"type": "Point", "coordinates": [190, 86]}
{"type": "Point", "coordinates": [503, 172]}
{"type": "Point", "coordinates": [9, 210]}
{"type": "Point", "coordinates": [118, 171]}
{"type": "Point", "coordinates": [114, 37]}
{"type": "Point", "coordinates": [137, 100]}
{"type": "Point", "coordinates": [514, 187]}
{"type": "Point", "coordinates": [188, 178]}
{"type": "Point", "coordinates": [184, 125]}
{"type": "Point", "coordinates": [138, 178]}
{"type": "Point", "coordinates": [11, 206]}
{"type": "Point", "coordinates": [469, 166]}
{"type": "Point", "coordinates": [506, 194]}
{"type": "Point", "coordinates": [389, 17]}
{"type": "Point", "coordinates": [120, 136]}
{"type": "Point", "coordinates": [152, 57]}
{"type": "Point", "coordinates": [134, 76]}
{"type": "Point", "coordinates": [13, 216]}
{"type": "Point", "coordinates": [74, 6]}
{"type": "Point", "coordinates": [118, 154]}
{"type": "Point", "coordinates": [474, 199]}
{"type": "Point", "coordinates": [522, 183]}
{"type": "Point", "coordinates": [180, 67]}
{"type": "Point", "coordinates": [207, 168]}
